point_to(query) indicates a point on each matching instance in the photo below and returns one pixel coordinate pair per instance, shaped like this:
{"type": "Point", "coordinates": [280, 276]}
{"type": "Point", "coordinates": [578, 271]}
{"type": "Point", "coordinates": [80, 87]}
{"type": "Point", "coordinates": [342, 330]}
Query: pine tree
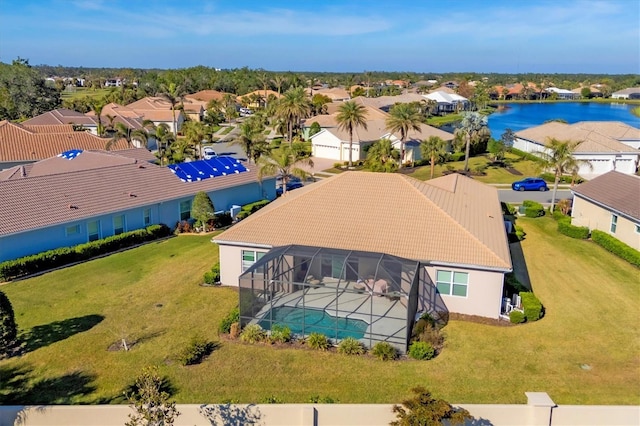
{"type": "Point", "coordinates": [8, 329]}
{"type": "Point", "coordinates": [202, 209]}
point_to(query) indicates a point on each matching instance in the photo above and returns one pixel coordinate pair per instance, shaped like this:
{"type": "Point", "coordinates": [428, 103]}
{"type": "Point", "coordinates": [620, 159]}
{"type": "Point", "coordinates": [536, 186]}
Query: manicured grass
{"type": "Point", "coordinates": [227, 130]}
{"type": "Point", "coordinates": [82, 92]}
{"type": "Point", "coordinates": [438, 121]}
{"type": "Point", "coordinates": [151, 293]}
{"type": "Point", "coordinates": [493, 174]}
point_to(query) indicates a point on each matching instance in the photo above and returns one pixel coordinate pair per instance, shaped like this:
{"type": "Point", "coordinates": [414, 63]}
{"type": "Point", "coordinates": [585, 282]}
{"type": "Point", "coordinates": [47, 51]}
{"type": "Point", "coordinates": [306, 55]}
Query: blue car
{"type": "Point", "coordinates": [530, 184]}
{"type": "Point", "coordinates": [290, 186]}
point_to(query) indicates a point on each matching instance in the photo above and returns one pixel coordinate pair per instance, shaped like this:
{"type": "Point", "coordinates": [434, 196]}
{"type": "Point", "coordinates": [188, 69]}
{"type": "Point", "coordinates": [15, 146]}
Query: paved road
{"type": "Point", "coordinates": [511, 196]}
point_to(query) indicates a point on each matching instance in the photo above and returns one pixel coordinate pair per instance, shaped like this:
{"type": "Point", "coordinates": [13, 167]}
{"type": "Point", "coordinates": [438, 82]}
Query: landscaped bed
{"type": "Point", "coordinates": [151, 296]}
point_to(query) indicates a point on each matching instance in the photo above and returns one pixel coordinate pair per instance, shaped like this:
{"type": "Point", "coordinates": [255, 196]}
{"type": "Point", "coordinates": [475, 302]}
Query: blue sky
{"type": "Point", "coordinates": [572, 36]}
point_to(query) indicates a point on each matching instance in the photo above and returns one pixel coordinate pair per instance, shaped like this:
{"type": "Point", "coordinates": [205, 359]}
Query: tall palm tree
{"type": "Point", "coordinates": [172, 94]}
{"type": "Point", "coordinates": [97, 107]}
{"type": "Point", "coordinates": [194, 133]}
{"type": "Point", "coordinates": [382, 157]}
{"type": "Point", "coordinates": [121, 131]}
{"type": "Point", "coordinates": [278, 81]}
{"type": "Point", "coordinates": [251, 135]}
{"type": "Point", "coordinates": [293, 107]}
{"type": "Point", "coordinates": [164, 138]}
{"type": "Point", "coordinates": [433, 148]}
{"type": "Point", "coordinates": [472, 124]}
{"type": "Point", "coordinates": [403, 118]}
{"type": "Point", "coordinates": [351, 116]}
{"type": "Point", "coordinates": [559, 157]}
{"type": "Point", "coordinates": [283, 161]}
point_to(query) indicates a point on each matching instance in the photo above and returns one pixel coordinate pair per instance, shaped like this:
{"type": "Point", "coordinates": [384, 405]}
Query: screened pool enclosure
{"type": "Point", "coordinates": [370, 296]}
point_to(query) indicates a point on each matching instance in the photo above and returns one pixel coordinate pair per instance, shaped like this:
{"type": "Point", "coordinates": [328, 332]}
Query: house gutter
{"type": "Point", "coordinates": [463, 266]}
{"type": "Point", "coordinates": [240, 244]}
{"type": "Point", "coordinates": [609, 208]}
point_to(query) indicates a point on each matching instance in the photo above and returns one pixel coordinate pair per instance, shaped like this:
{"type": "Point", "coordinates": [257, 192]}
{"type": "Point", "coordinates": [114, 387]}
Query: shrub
{"type": "Point", "coordinates": [532, 208]}
{"type": "Point", "coordinates": [222, 219]}
{"type": "Point", "coordinates": [531, 305]}
{"type": "Point", "coordinates": [225, 323]}
{"type": "Point", "coordinates": [520, 233]}
{"type": "Point", "coordinates": [616, 247]}
{"type": "Point", "coordinates": [318, 341]}
{"type": "Point", "coordinates": [431, 334]}
{"type": "Point", "coordinates": [252, 333]}
{"type": "Point", "coordinates": [456, 156]}
{"type": "Point", "coordinates": [208, 278]}
{"type": "Point", "coordinates": [280, 333]}
{"type": "Point", "coordinates": [551, 177]}
{"type": "Point", "coordinates": [213, 276]}
{"type": "Point", "coordinates": [197, 349]}
{"type": "Point", "coordinates": [516, 317]}
{"type": "Point", "coordinates": [351, 346]}
{"type": "Point", "coordinates": [421, 351]}
{"type": "Point", "coordinates": [566, 228]}
{"type": "Point", "coordinates": [50, 259]}
{"type": "Point", "coordinates": [8, 328]}
{"type": "Point", "coordinates": [384, 351]}
{"type": "Point", "coordinates": [513, 284]}
{"type": "Point", "coordinates": [254, 207]}
{"type": "Point", "coordinates": [508, 208]}
{"type": "Point", "coordinates": [272, 399]}
{"type": "Point", "coordinates": [315, 399]}
{"type": "Point", "coordinates": [234, 331]}
{"type": "Point", "coordinates": [564, 206]}
{"type": "Point", "coordinates": [337, 165]}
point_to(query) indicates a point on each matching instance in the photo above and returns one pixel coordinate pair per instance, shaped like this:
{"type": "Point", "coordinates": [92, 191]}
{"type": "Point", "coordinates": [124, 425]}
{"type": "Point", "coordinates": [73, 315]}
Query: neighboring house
{"type": "Point", "coordinates": [448, 102]}
{"type": "Point", "coordinates": [431, 246]}
{"type": "Point", "coordinates": [206, 96]}
{"type": "Point", "coordinates": [563, 94]}
{"type": "Point", "coordinates": [158, 111]}
{"type": "Point", "coordinates": [23, 144]}
{"type": "Point", "coordinates": [61, 202]}
{"type": "Point", "coordinates": [630, 93]}
{"type": "Point", "coordinates": [598, 145]}
{"type": "Point", "coordinates": [257, 98]}
{"type": "Point", "coordinates": [63, 116]}
{"type": "Point", "coordinates": [610, 203]}
{"type": "Point", "coordinates": [336, 94]}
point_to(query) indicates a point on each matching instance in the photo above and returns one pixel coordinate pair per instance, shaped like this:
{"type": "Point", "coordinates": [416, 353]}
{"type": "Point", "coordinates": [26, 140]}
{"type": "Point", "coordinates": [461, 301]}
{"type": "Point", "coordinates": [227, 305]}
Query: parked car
{"type": "Point", "coordinates": [530, 184]}
{"type": "Point", "coordinates": [290, 187]}
{"type": "Point", "coordinates": [208, 153]}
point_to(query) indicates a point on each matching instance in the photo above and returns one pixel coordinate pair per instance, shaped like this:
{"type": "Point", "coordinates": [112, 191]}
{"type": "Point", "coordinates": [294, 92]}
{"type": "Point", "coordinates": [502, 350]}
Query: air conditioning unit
{"type": "Point", "coordinates": [516, 301]}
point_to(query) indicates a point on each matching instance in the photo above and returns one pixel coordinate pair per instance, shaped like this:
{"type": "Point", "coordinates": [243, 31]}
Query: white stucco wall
{"type": "Point", "coordinates": [484, 292]}
{"type": "Point", "coordinates": [593, 216]}
{"type": "Point", "coordinates": [231, 262]}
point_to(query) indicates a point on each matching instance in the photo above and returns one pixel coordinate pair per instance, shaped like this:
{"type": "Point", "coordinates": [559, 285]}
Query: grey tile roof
{"type": "Point", "coordinates": [619, 191]}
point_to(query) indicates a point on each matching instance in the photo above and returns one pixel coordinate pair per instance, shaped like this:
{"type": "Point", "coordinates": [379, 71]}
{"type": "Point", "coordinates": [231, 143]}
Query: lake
{"type": "Point", "coordinates": [521, 116]}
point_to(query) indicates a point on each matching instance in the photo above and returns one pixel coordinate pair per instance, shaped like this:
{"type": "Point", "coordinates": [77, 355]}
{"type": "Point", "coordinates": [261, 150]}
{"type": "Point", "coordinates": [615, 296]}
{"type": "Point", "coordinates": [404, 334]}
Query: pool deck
{"type": "Point", "coordinates": [389, 322]}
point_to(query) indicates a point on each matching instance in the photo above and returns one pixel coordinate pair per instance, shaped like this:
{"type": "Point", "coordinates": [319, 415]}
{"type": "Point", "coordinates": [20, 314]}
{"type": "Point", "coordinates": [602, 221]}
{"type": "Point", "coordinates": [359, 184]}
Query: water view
{"type": "Point", "coordinates": [521, 116]}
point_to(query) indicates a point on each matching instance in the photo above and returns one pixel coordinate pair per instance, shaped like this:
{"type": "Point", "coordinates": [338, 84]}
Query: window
{"type": "Point", "coordinates": [72, 230]}
{"type": "Point", "coordinates": [637, 229]}
{"type": "Point", "coordinates": [185, 210]}
{"type": "Point", "coordinates": [249, 257]}
{"type": "Point", "coordinates": [452, 283]}
{"type": "Point", "coordinates": [614, 223]}
{"type": "Point", "coordinates": [118, 224]}
{"type": "Point", "coordinates": [93, 230]}
{"type": "Point", "coordinates": [146, 217]}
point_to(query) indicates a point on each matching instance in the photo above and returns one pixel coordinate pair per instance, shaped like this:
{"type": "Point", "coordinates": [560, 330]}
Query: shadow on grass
{"type": "Point", "coordinates": [19, 386]}
{"type": "Point", "coordinates": [520, 269]}
{"type": "Point", "coordinates": [44, 335]}
{"type": "Point", "coordinates": [131, 389]}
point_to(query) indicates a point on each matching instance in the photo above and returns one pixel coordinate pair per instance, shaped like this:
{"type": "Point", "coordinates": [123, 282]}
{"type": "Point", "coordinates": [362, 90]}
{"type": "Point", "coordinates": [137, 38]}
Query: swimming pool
{"type": "Point", "coordinates": [306, 321]}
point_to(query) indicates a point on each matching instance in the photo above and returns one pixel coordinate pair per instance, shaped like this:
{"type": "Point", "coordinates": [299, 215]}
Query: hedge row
{"type": "Point", "coordinates": [616, 247]}
{"type": "Point", "coordinates": [566, 228]}
{"type": "Point", "coordinates": [531, 305]}
{"type": "Point", "coordinates": [532, 208]}
{"type": "Point", "coordinates": [551, 177]}
{"type": "Point", "coordinates": [526, 155]}
{"type": "Point", "coordinates": [50, 259]}
{"type": "Point", "coordinates": [248, 209]}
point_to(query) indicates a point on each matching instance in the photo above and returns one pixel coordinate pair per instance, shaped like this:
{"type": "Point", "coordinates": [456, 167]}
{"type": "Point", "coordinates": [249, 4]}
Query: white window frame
{"type": "Point", "coordinates": [99, 233]}
{"type": "Point", "coordinates": [248, 263]}
{"type": "Point", "coordinates": [146, 217]}
{"type": "Point", "coordinates": [121, 230]}
{"type": "Point", "coordinates": [454, 281]}
{"type": "Point", "coordinates": [614, 223]}
{"type": "Point", "coordinates": [637, 229]}
{"type": "Point", "coordinates": [72, 230]}
{"type": "Point", "coordinates": [181, 211]}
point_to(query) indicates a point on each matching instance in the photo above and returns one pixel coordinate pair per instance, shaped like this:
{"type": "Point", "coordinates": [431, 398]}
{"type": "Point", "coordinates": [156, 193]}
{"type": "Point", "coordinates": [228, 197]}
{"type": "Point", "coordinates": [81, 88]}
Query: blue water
{"type": "Point", "coordinates": [521, 116]}
{"type": "Point", "coordinates": [306, 321]}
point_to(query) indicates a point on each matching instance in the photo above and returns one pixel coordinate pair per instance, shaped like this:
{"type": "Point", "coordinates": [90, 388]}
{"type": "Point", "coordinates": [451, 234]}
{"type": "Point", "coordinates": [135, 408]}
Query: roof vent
{"type": "Point", "coordinates": [131, 194]}
{"type": "Point", "coordinates": [23, 172]}
{"type": "Point", "coordinates": [73, 207]}
{"type": "Point", "coordinates": [141, 166]}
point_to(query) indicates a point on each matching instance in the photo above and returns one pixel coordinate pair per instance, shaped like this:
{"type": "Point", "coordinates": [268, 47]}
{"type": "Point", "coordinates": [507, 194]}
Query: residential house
{"type": "Point", "coordinates": [336, 94]}
{"type": "Point", "coordinates": [257, 98]}
{"type": "Point", "coordinates": [159, 111]}
{"type": "Point", "coordinates": [629, 93]}
{"type": "Point", "coordinates": [598, 145]}
{"type": "Point", "coordinates": [563, 94]}
{"type": "Point", "coordinates": [610, 203]}
{"type": "Point", "coordinates": [63, 116]}
{"type": "Point", "coordinates": [86, 195]}
{"type": "Point", "coordinates": [448, 102]}
{"type": "Point", "coordinates": [378, 247]}
{"type": "Point", "coordinates": [23, 144]}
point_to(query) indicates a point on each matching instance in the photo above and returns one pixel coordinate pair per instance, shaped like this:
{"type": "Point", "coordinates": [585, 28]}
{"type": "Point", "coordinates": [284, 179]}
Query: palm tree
{"type": "Point", "coordinates": [283, 161]}
{"type": "Point", "coordinates": [121, 131]}
{"type": "Point", "coordinates": [293, 107]}
{"type": "Point", "coordinates": [278, 81]}
{"type": "Point", "coordinates": [250, 137]}
{"type": "Point", "coordinates": [433, 148]}
{"type": "Point", "coordinates": [403, 118]}
{"type": "Point", "coordinates": [164, 138]}
{"type": "Point", "coordinates": [471, 125]}
{"type": "Point", "coordinates": [172, 94]}
{"type": "Point", "coordinates": [351, 116]}
{"type": "Point", "coordinates": [382, 157]}
{"type": "Point", "coordinates": [558, 156]}
{"type": "Point", "coordinates": [194, 133]}
{"type": "Point", "coordinates": [97, 107]}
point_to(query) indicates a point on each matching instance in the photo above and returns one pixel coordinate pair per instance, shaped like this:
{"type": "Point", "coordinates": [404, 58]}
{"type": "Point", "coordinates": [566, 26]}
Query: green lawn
{"type": "Point", "coordinates": [81, 92]}
{"type": "Point", "coordinates": [493, 174]}
{"type": "Point", "coordinates": [152, 294]}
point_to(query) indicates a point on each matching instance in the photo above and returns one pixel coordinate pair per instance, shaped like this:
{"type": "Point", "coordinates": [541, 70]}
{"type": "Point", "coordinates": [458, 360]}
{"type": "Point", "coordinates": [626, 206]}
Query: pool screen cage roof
{"type": "Point", "coordinates": [372, 297]}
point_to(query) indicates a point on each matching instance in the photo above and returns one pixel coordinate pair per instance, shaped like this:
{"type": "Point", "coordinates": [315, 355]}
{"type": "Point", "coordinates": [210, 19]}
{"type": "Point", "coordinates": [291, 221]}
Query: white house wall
{"type": "Point", "coordinates": [326, 145]}
{"type": "Point", "coordinates": [593, 216]}
{"type": "Point", "coordinates": [231, 263]}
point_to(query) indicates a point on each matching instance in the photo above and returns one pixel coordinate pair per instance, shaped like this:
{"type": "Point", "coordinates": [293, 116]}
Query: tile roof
{"type": "Point", "coordinates": [60, 116]}
{"type": "Point", "coordinates": [38, 201]}
{"type": "Point", "coordinates": [20, 143]}
{"type": "Point", "coordinates": [619, 191]}
{"type": "Point", "coordinates": [615, 129]}
{"type": "Point", "coordinates": [206, 95]}
{"type": "Point", "coordinates": [452, 219]}
{"type": "Point", "coordinates": [262, 93]}
{"type": "Point", "coordinates": [590, 137]}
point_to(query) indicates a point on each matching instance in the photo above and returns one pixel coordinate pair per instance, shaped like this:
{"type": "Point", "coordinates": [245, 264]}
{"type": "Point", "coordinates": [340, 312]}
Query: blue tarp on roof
{"type": "Point", "coordinates": [71, 154]}
{"type": "Point", "coordinates": [205, 169]}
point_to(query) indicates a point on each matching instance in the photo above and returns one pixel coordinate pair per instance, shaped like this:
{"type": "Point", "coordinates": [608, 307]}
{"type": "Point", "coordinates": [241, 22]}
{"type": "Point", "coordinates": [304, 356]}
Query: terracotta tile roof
{"type": "Point", "coordinates": [60, 116]}
{"type": "Point", "coordinates": [591, 140]}
{"type": "Point", "coordinates": [206, 95]}
{"type": "Point", "coordinates": [50, 128]}
{"type": "Point", "coordinates": [262, 93]}
{"type": "Point", "coordinates": [452, 219]}
{"type": "Point", "coordinates": [619, 191]}
{"type": "Point", "coordinates": [20, 143]}
{"type": "Point", "coordinates": [39, 201]}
